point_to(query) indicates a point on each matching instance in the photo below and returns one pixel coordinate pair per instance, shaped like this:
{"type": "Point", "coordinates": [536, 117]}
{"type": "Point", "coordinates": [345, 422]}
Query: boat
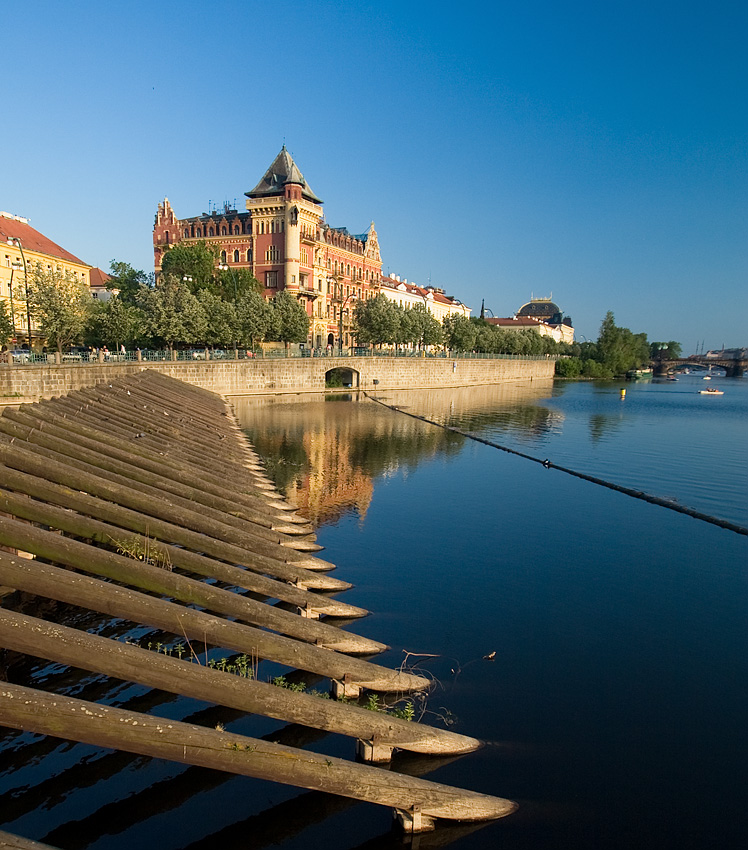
{"type": "Point", "coordinates": [711, 391]}
{"type": "Point", "coordinates": [638, 374]}
{"type": "Point", "coordinates": [707, 378]}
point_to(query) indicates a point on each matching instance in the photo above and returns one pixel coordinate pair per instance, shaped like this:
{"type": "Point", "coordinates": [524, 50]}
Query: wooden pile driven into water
{"type": "Point", "coordinates": [143, 500]}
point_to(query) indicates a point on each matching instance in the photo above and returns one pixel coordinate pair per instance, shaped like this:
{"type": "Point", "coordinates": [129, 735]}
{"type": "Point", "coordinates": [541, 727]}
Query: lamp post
{"type": "Point", "coordinates": [13, 267]}
{"type": "Point", "coordinates": [351, 297]}
{"type": "Point", "coordinates": [14, 240]}
{"type": "Point", "coordinates": [224, 267]}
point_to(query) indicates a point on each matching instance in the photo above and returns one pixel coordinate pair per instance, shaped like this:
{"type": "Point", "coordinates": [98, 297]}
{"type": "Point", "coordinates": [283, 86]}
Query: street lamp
{"type": "Point", "coordinates": [351, 297]}
{"type": "Point", "coordinates": [14, 240]}
{"type": "Point", "coordinates": [13, 267]}
{"type": "Point", "coordinates": [224, 267]}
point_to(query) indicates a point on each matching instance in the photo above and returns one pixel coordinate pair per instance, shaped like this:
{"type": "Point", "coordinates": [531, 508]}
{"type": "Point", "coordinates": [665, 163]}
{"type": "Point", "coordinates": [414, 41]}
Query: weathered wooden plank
{"type": "Point", "coordinates": [82, 526]}
{"type": "Point", "coordinates": [45, 417]}
{"type": "Point", "coordinates": [91, 559]}
{"type": "Point", "coordinates": [39, 487]}
{"type": "Point", "coordinates": [37, 461]}
{"type": "Point", "coordinates": [131, 663]}
{"type": "Point", "coordinates": [152, 487]}
{"type": "Point", "coordinates": [72, 719]}
{"type": "Point", "coordinates": [75, 589]}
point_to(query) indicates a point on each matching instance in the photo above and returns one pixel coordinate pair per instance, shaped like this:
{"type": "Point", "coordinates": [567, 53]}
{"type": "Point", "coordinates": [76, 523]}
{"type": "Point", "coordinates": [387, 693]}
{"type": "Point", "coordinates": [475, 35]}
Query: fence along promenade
{"type": "Point", "coordinates": [120, 495]}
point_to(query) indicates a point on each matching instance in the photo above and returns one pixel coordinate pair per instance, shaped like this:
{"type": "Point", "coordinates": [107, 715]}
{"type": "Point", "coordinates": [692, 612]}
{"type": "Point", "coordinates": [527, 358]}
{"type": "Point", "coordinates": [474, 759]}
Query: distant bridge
{"type": "Point", "coordinates": [734, 367]}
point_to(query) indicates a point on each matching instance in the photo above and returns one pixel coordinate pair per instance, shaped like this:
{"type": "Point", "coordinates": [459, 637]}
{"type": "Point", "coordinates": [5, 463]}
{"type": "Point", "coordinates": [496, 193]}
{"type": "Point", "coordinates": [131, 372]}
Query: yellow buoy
{"type": "Point", "coordinates": [623, 393]}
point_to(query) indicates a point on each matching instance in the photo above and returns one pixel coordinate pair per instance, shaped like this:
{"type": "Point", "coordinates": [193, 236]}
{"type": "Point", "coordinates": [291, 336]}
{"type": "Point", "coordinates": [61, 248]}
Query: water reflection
{"type": "Point", "coordinates": [326, 457]}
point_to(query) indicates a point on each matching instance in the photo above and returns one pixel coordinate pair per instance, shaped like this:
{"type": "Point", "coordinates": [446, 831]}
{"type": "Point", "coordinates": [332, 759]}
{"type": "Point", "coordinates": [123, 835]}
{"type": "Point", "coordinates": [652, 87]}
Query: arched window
{"type": "Point", "coordinates": [236, 230]}
{"type": "Point", "coordinates": [249, 256]}
{"type": "Point", "coordinates": [199, 231]}
{"type": "Point", "coordinates": [223, 231]}
{"type": "Point", "coordinates": [223, 256]}
{"type": "Point", "coordinates": [236, 256]}
{"type": "Point", "coordinates": [186, 233]}
{"type": "Point", "coordinates": [211, 232]}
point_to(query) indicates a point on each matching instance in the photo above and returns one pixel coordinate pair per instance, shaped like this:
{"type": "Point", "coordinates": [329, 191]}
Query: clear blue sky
{"type": "Point", "coordinates": [595, 151]}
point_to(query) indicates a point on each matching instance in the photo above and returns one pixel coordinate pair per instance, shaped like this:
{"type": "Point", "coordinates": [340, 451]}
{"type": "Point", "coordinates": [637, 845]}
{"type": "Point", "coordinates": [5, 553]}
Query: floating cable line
{"type": "Point", "coordinates": [627, 491]}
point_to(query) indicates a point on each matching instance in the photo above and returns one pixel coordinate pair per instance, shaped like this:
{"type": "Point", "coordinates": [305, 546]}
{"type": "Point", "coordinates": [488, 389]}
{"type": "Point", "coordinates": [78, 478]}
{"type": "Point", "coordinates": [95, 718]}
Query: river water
{"type": "Point", "coordinates": [614, 708]}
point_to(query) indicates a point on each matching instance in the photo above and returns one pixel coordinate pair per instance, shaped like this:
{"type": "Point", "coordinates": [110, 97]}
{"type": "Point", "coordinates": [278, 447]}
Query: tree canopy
{"type": "Point", "coordinates": [60, 304]}
{"type": "Point", "coordinates": [290, 320]}
{"type": "Point", "coordinates": [127, 281]}
{"type": "Point", "coordinates": [172, 313]}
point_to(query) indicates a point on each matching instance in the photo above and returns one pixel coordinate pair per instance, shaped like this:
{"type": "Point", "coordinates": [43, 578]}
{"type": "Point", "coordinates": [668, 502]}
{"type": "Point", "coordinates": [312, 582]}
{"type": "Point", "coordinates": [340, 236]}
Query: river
{"type": "Point", "coordinates": [613, 710]}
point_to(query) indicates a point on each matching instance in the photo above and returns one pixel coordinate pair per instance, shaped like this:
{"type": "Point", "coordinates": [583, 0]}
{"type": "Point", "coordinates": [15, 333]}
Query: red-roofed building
{"type": "Point", "coordinates": [409, 295]}
{"type": "Point", "coordinates": [541, 315]}
{"type": "Point", "coordinates": [21, 249]}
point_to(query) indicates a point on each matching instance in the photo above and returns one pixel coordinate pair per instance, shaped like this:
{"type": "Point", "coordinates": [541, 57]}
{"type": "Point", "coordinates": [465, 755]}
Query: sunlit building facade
{"type": "Point", "coordinates": [283, 239]}
{"type": "Point", "coordinates": [22, 248]}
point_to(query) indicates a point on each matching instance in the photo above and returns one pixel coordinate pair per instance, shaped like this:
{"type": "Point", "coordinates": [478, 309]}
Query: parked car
{"type": "Point", "coordinates": [20, 355]}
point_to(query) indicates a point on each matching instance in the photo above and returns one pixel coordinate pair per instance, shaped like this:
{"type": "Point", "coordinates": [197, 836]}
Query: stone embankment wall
{"type": "Point", "coordinates": [231, 377]}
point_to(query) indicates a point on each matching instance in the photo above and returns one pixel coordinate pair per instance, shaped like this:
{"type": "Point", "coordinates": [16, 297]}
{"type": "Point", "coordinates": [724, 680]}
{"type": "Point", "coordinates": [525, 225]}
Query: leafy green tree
{"type": "Point", "coordinates": [6, 324]}
{"type": "Point", "coordinates": [459, 332]}
{"type": "Point", "coordinates": [193, 264]}
{"type": "Point", "coordinates": [221, 325]}
{"type": "Point", "coordinates": [114, 323]}
{"type": "Point", "coordinates": [422, 327]}
{"type": "Point", "coordinates": [665, 350]}
{"type": "Point", "coordinates": [291, 322]}
{"type": "Point", "coordinates": [569, 367]}
{"type": "Point", "coordinates": [172, 313]}
{"type": "Point", "coordinates": [254, 319]}
{"type": "Point", "coordinates": [618, 349]}
{"type": "Point", "coordinates": [127, 280]}
{"type": "Point", "coordinates": [377, 320]}
{"type": "Point", "coordinates": [231, 284]}
{"type": "Point", "coordinates": [60, 304]}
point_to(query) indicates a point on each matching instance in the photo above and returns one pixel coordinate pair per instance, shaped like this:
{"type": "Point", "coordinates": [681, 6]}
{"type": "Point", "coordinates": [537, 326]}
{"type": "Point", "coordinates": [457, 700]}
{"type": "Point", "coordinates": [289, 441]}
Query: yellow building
{"type": "Point", "coordinates": [21, 249]}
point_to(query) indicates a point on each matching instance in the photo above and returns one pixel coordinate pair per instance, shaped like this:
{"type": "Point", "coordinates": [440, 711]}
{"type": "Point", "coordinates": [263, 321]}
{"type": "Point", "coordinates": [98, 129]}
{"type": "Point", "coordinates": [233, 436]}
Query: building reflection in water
{"type": "Point", "coordinates": [324, 453]}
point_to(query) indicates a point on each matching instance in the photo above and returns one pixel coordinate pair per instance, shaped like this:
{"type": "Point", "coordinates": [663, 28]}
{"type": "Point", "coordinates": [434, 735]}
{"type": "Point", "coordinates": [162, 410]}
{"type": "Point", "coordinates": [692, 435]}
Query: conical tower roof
{"type": "Point", "coordinates": [282, 171]}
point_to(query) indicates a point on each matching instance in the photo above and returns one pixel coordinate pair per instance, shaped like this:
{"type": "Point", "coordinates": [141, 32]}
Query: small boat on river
{"type": "Point", "coordinates": [711, 391]}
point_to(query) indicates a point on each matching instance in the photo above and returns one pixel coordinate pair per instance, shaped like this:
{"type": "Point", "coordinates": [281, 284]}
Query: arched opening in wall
{"type": "Point", "coordinates": [342, 377]}
{"type": "Point", "coordinates": [331, 339]}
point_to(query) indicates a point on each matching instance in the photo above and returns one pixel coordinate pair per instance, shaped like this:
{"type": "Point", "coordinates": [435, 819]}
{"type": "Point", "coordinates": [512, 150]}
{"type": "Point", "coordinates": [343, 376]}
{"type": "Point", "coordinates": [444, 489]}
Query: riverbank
{"type": "Point", "coordinates": [21, 384]}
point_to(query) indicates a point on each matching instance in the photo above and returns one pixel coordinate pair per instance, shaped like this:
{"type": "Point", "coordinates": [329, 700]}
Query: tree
{"type": "Point", "coordinates": [459, 332]}
{"type": "Point", "coordinates": [231, 284]}
{"type": "Point", "coordinates": [254, 318]}
{"type": "Point", "coordinates": [221, 326]}
{"type": "Point", "coordinates": [291, 323]}
{"type": "Point", "coordinates": [194, 264]}
{"type": "Point", "coordinates": [420, 327]}
{"type": "Point", "coordinates": [6, 324]}
{"type": "Point", "coordinates": [618, 349]}
{"type": "Point", "coordinates": [61, 305]}
{"type": "Point", "coordinates": [172, 313]}
{"type": "Point", "coordinates": [377, 320]}
{"type": "Point", "coordinates": [665, 350]}
{"type": "Point", "coordinates": [115, 322]}
{"type": "Point", "coordinates": [127, 281]}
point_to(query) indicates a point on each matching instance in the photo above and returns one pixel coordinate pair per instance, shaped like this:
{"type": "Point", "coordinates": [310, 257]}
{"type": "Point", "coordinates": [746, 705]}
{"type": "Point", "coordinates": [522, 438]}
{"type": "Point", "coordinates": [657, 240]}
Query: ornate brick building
{"type": "Point", "coordinates": [283, 239]}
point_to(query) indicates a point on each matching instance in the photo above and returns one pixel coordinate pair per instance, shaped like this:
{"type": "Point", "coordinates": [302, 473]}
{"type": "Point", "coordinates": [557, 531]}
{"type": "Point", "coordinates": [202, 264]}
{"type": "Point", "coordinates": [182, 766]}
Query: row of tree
{"type": "Point", "coordinates": [211, 312]}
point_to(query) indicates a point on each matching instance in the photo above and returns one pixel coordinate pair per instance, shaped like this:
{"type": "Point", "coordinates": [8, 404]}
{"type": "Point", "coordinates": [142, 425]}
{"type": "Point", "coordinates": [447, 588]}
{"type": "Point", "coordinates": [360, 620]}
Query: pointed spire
{"type": "Point", "coordinates": [282, 171]}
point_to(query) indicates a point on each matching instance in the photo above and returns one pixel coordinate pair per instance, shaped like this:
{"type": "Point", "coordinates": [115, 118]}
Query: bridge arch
{"type": "Point", "coordinates": [342, 376]}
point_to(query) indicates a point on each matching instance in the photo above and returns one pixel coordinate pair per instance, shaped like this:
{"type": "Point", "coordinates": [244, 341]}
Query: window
{"type": "Point", "coordinates": [249, 256]}
{"type": "Point", "coordinates": [223, 256]}
{"type": "Point", "coordinates": [236, 256]}
{"type": "Point", "coordinates": [186, 233]}
{"type": "Point", "coordinates": [199, 231]}
{"type": "Point", "coordinates": [223, 231]}
{"type": "Point", "coordinates": [236, 230]}
{"type": "Point", "coordinates": [210, 232]}
{"type": "Point", "coordinates": [271, 280]}
{"type": "Point", "coordinates": [272, 255]}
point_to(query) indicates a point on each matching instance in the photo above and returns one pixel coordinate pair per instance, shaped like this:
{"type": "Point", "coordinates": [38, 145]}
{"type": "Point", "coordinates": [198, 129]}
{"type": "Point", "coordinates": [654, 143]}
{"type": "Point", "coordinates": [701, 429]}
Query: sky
{"type": "Point", "coordinates": [592, 152]}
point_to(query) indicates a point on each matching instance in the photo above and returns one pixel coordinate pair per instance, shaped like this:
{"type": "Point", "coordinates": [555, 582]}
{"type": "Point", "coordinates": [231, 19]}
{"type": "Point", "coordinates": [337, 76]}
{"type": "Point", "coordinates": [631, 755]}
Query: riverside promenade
{"type": "Point", "coordinates": [20, 383]}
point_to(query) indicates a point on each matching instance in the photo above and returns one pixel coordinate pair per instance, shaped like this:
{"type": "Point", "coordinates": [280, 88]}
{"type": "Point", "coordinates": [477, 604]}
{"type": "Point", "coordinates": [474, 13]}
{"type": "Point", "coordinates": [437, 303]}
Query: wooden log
{"type": "Point", "coordinates": [77, 720]}
{"type": "Point", "coordinates": [45, 417]}
{"type": "Point", "coordinates": [131, 663]}
{"type": "Point", "coordinates": [187, 623]}
{"type": "Point", "coordinates": [8, 841]}
{"type": "Point", "coordinates": [131, 423]}
{"type": "Point", "coordinates": [91, 559]}
{"type": "Point", "coordinates": [35, 484]}
{"type": "Point", "coordinates": [56, 439]}
{"type": "Point", "coordinates": [305, 602]}
{"type": "Point", "coordinates": [49, 465]}
{"type": "Point", "coordinates": [75, 418]}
